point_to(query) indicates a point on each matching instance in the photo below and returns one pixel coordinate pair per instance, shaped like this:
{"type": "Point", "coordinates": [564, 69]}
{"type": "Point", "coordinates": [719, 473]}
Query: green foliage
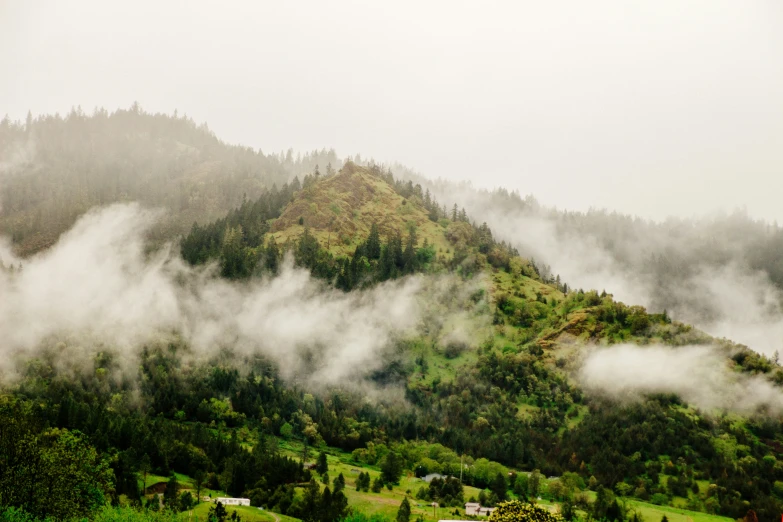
{"type": "Point", "coordinates": [12, 514]}
{"type": "Point", "coordinates": [363, 482]}
{"type": "Point", "coordinates": [217, 513]}
{"type": "Point", "coordinates": [506, 404]}
{"type": "Point", "coordinates": [321, 465]}
{"type": "Point", "coordinates": [517, 511]}
{"type": "Point", "coordinates": [48, 472]}
{"type": "Point", "coordinates": [391, 468]}
{"type": "Point", "coordinates": [447, 491]}
{"type": "Point", "coordinates": [126, 514]}
{"type": "Point", "coordinates": [404, 513]}
{"type": "Point", "coordinates": [339, 483]}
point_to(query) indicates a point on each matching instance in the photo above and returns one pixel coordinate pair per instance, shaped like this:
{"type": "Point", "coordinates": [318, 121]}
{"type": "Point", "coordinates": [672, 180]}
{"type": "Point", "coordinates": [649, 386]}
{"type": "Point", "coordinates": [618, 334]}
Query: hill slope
{"type": "Point", "coordinates": [484, 379]}
{"type": "Point", "coordinates": [340, 210]}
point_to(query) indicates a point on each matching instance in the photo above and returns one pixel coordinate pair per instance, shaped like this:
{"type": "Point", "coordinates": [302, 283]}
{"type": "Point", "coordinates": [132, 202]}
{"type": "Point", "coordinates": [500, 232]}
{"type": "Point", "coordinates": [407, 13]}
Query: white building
{"type": "Point", "coordinates": [226, 501]}
{"type": "Point", "coordinates": [474, 508]}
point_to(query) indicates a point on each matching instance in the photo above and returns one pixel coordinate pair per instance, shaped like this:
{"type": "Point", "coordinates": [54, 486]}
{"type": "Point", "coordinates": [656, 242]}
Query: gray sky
{"type": "Point", "coordinates": [652, 108]}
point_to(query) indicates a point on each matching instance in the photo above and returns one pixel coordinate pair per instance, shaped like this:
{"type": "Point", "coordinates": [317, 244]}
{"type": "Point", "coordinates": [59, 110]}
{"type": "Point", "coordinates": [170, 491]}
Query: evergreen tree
{"type": "Point", "coordinates": [322, 464]}
{"type": "Point", "coordinates": [217, 513]}
{"type": "Point", "coordinates": [186, 501]}
{"type": "Point", "coordinates": [534, 484]}
{"type": "Point", "coordinates": [409, 255]}
{"type": "Point", "coordinates": [339, 483]}
{"type": "Point", "coordinates": [198, 478]}
{"type": "Point", "coordinates": [499, 487]}
{"type": "Point", "coordinates": [377, 485]}
{"type": "Point", "coordinates": [373, 244]}
{"type": "Point", "coordinates": [404, 513]}
{"type": "Point", "coordinates": [391, 468]}
{"type": "Point", "coordinates": [311, 503]}
{"type": "Point", "coordinates": [145, 467]}
{"type": "Point", "coordinates": [170, 495]}
{"type": "Point", "coordinates": [272, 255]}
{"type": "Point", "coordinates": [363, 482]}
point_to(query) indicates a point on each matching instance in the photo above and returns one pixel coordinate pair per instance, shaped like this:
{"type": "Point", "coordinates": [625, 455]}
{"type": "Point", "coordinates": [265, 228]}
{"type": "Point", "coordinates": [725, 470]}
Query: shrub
{"type": "Point", "coordinates": [517, 511]}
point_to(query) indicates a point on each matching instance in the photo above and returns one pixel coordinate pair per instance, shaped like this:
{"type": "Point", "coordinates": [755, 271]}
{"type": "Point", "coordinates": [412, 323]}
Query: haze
{"type": "Point", "coordinates": [655, 109]}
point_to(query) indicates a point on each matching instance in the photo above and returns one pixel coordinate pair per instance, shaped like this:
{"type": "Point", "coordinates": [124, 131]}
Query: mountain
{"type": "Point", "coordinates": [431, 346]}
{"type": "Point", "coordinates": [54, 168]}
{"type": "Point", "coordinates": [341, 209]}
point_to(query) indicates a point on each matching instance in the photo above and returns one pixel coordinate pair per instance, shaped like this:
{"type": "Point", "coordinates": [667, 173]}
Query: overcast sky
{"type": "Point", "coordinates": [652, 108]}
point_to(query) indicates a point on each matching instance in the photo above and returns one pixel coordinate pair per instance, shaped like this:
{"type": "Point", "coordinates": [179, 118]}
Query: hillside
{"type": "Point", "coordinates": [54, 168]}
{"type": "Point", "coordinates": [340, 210]}
{"type": "Point", "coordinates": [406, 339]}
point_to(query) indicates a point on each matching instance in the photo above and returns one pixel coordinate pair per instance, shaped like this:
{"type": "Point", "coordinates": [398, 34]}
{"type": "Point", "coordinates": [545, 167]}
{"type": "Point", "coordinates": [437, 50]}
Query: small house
{"type": "Point", "coordinates": [226, 501]}
{"type": "Point", "coordinates": [476, 509]}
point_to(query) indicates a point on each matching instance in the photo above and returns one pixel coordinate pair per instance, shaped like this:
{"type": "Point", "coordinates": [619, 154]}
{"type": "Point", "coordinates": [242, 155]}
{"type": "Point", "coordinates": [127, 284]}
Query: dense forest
{"type": "Point", "coordinates": [500, 409]}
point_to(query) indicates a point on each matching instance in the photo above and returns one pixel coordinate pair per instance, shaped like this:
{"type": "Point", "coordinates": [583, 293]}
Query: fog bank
{"type": "Point", "coordinates": [96, 289]}
{"type": "Point", "coordinates": [700, 375]}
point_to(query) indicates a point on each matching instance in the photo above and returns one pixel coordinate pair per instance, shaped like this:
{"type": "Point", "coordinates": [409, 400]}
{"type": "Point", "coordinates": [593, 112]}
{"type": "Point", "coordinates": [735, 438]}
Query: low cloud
{"type": "Point", "coordinates": [97, 287]}
{"type": "Point", "coordinates": [700, 375]}
{"type": "Point", "coordinates": [660, 266]}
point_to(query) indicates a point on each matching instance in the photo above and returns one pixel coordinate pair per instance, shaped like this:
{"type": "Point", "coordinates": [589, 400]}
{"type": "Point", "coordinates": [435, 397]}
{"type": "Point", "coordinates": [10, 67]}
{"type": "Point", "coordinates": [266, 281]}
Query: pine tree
{"type": "Point", "coordinates": [373, 245]}
{"type": "Point", "coordinates": [311, 502]}
{"type": "Point", "coordinates": [170, 495]}
{"type": "Point", "coordinates": [499, 486]}
{"type": "Point", "coordinates": [145, 467]}
{"type": "Point", "coordinates": [322, 465]}
{"type": "Point", "coordinates": [391, 468]}
{"type": "Point", "coordinates": [404, 513]}
{"type": "Point", "coordinates": [409, 254]}
{"type": "Point", "coordinates": [363, 482]}
{"type": "Point", "coordinates": [339, 483]}
{"type": "Point", "coordinates": [217, 513]}
{"type": "Point", "coordinates": [272, 255]}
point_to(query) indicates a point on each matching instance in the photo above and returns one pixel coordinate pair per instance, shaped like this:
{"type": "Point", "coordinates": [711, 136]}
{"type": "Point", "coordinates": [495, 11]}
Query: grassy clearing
{"type": "Point", "coordinates": [386, 502]}
{"type": "Point", "coordinates": [653, 513]}
{"type": "Point", "coordinates": [248, 514]}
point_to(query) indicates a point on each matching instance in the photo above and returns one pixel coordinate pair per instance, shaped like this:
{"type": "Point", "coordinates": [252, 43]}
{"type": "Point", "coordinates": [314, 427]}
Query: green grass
{"type": "Point", "coordinates": [653, 513]}
{"type": "Point", "coordinates": [385, 502]}
{"type": "Point", "coordinates": [248, 514]}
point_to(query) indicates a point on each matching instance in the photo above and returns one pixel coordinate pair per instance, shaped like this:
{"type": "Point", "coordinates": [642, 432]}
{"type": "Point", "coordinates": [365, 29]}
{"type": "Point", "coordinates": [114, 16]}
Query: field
{"type": "Point", "coordinates": [653, 513]}
{"type": "Point", "coordinates": [386, 502]}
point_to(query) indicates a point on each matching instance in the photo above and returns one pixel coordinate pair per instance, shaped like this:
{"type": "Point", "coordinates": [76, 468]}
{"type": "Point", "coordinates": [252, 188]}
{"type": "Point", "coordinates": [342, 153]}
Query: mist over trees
{"type": "Point", "coordinates": [216, 409]}
{"type": "Point", "coordinates": [54, 168]}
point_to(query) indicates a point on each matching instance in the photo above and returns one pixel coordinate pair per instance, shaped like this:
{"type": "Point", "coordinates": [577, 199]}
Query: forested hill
{"type": "Point", "coordinates": [54, 168]}
{"type": "Point", "coordinates": [486, 377]}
